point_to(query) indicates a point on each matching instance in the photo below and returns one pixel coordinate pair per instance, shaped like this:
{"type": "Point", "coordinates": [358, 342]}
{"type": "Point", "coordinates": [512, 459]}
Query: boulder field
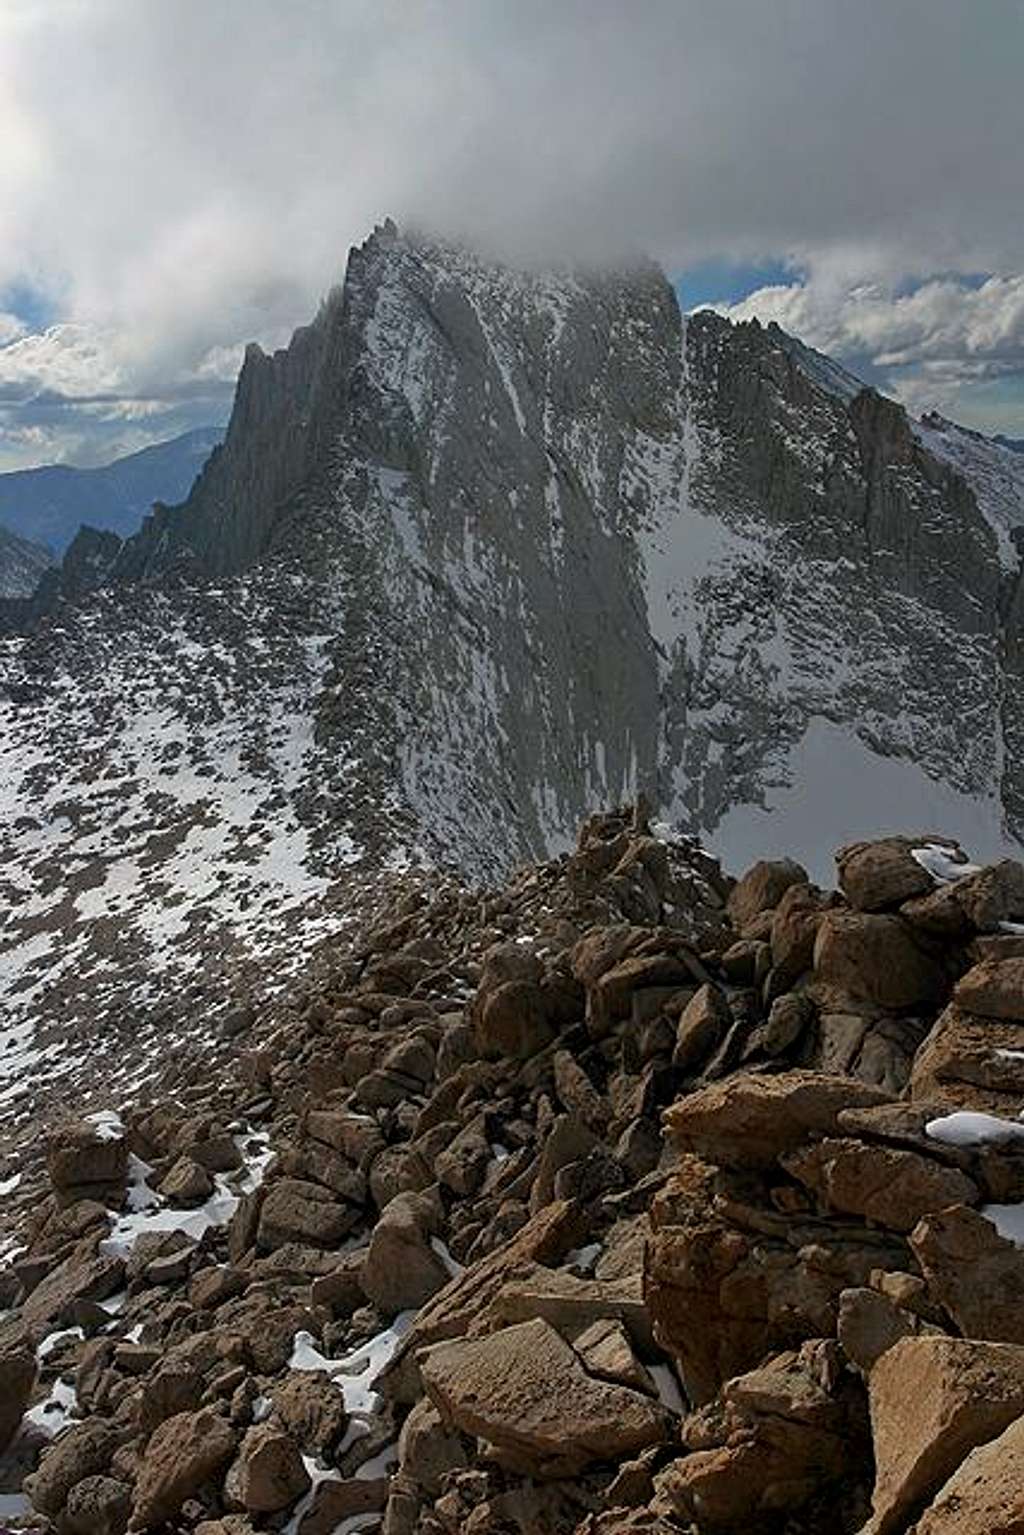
{"type": "Point", "coordinates": [627, 1199]}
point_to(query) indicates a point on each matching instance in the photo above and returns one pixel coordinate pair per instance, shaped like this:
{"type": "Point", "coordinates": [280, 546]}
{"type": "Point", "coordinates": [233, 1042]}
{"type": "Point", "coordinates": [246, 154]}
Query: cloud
{"type": "Point", "coordinates": [187, 177]}
{"type": "Point", "coordinates": [65, 359]}
{"type": "Point", "coordinates": [11, 328]}
{"type": "Point", "coordinates": [75, 393]}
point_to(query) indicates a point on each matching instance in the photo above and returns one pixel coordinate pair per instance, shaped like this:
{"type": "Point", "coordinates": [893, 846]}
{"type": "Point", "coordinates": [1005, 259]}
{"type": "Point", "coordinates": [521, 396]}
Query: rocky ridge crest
{"type": "Point", "coordinates": [626, 1198]}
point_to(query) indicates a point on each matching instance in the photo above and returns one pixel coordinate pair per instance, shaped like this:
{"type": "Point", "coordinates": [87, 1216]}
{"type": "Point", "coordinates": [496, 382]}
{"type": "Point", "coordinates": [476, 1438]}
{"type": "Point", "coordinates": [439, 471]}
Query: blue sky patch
{"type": "Point", "coordinates": [719, 281]}
{"type": "Point", "coordinates": [33, 307]}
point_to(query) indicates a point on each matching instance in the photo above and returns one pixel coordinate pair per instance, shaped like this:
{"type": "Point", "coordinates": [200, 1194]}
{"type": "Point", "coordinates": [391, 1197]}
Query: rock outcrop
{"type": "Point", "coordinates": [559, 1276]}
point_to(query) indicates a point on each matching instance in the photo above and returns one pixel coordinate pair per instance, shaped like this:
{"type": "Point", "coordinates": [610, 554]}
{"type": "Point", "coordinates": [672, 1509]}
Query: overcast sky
{"type": "Point", "coordinates": [179, 176]}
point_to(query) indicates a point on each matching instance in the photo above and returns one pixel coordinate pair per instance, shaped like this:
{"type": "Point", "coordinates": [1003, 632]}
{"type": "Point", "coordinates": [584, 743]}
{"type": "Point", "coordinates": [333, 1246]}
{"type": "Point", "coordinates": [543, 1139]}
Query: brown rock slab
{"type": "Point", "coordinates": [702, 1027]}
{"type": "Point", "coordinates": [576, 1092]}
{"type": "Point", "coordinates": [187, 1183]}
{"type": "Point", "coordinates": [339, 1289]}
{"type": "Point", "coordinates": [746, 962]}
{"type": "Point", "coordinates": [312, 1409]}
{"type": "Point", "coordinates": [959, 1064]}
{"type": "Point", "coordinates": [724, 1287]}
{"type": "Point", "coordinates": [992, 896]}
{"type": "Point", "coordinates": [875, 959]}
{"type": "Point", "coordinates": [355, 1136]}
{"type": "Point", "coordinates": [211, 1287]}
{"type": "Point", "coordinates": [428, 1449]}
{"type": "Point", "coordinates": [462, 1166]}
{"type": "Point", "coordinates": [79, 1155]}
{"type": "Point", "coordinates": [294, 1210]}
{"type": "Point", "coordinates": [993, 989]}
{"type": "Point", "coordinates": [603, 947]}
{"type": "Point", "coordinates": [335, 1502]}
{"type": "Point", "coordinates": [271, 1333]}
{"type": "Point", "coordinates": [762, 888]}
{"type": "Point", "coordinates": [973, 1272]}
{"type": "Point", "coordinates": [876, 876]}
{"type": "Point", "coordinates": [938, 914]}
{"type": "Point", "coordinates": [790, 1015]}
{"type": "Point", "coordinates": [183, 1453]}
{"type": "Point", "coordinates": [545, 1238]}
{"type": "Point", "coordinates": [86, 1449]}
{"type": "Point", "coordinates": [749, 1120]}
{"type": "Point", "coordinates": [778, 1436]}
{"type": "Point", "coordinates": [17, 1377]}
{"type": "Point", "coordinates": [525, 1393]}
{"type": "Point", "coordinates": [568, 1140]}
{"type": "Point", "coordinates": [51, 1302]}
{"type": "Point", "coordinates": [517, 1010]}
{"type": "Point", "coordinates": [888, 1187]}
{"type": "Point", "coordinates": [268, 1474]}
{"type": "Point", "coordinates": [933, 1400]}
{"type": "Point", "coordinates": [607, 1351]}
{"type": "Point", "coordinates": [570, 1304]}
{"type": "Point", "coordinates": [870, 1323]}
{"type": "Point", "coordinates": [402, 1270]}
{"type": "Point", "coordinates": [985, 1495]}
{"type": "Point", "coordinates": [513, 1021]}
{"type": "Point", "coordinates": [175, 1388]}
{"type": "Point", "coordinates": [97, 1505]}
{"type": "Point", "coordinates": [610, 999]}
{"type": "Point", "coordinates": [795, 924]}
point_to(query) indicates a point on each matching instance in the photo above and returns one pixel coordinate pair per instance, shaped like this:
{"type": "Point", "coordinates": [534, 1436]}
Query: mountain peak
{"type": "Point", "coordinates": [487, 547]}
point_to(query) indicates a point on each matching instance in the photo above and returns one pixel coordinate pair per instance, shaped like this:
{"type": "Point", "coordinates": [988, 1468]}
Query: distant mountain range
{"type": "Point", "coordinates": [48, 505]}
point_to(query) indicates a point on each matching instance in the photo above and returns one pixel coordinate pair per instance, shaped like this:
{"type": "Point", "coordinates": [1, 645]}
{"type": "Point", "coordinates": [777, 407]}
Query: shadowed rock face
{"type": "Point", "coordinates": [21, 565]}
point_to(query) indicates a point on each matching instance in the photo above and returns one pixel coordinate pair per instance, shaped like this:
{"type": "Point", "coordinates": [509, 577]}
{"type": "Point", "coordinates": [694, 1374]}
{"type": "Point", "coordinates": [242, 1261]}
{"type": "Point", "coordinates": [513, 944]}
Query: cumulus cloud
{"type": "Point", "coordinates": [73, 360]}
{"type": "Point", "coordinates": [74, 393]}
{"type": "Point", "coordinates": [928, 345]}
{"type": "Point", "coordinates": [187, 177]}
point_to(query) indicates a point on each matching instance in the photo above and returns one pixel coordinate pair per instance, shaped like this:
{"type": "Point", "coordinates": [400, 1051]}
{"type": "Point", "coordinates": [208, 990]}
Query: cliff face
{"type": "Point", "coordinates": [269, 451]}
{"type": "Point", "coordinates": [483, 550]}
{"type": "Point", "coordinates": [21, 565]}
{"type": "Point", "coordinates": [847, 622]}
{"type": "Point", "coordinates": [610, 551]}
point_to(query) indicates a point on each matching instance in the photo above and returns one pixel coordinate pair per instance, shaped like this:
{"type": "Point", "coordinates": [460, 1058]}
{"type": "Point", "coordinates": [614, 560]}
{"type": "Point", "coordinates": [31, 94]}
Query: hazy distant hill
{"type": "Point", "coordinates": [48, 505]}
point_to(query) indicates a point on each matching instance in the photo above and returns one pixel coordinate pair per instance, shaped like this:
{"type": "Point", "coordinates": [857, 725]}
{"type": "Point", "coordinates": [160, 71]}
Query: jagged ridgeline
{"type": "Point", "coordinates": [484, 550]}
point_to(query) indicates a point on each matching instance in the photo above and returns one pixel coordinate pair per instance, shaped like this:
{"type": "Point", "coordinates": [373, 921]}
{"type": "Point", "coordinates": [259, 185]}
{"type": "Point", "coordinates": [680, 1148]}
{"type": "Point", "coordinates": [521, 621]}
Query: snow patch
{"type": "Point", "coordinates": [967, 1128]}
{"type": "Point", "coordinates": [147, 1211]}
{"type": "Point", "coordinates": [830, 780]}
{"type": "Point", "coordinates": [356, 1372]}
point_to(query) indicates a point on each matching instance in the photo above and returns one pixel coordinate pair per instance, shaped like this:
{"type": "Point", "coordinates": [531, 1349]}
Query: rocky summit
{"type": "Point", "coordinates": [395, 1138]}
{"type": "Point", "coordinates": [624, 1198]}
